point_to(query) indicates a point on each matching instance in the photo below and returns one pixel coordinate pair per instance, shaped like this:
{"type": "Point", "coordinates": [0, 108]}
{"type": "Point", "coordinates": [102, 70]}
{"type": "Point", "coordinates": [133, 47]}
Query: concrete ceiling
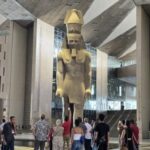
{"type": "Point", "coordinates": [53, 11]}
{"type": "Point", "coordinates": [120, 44]}
{"type": "Point", "coordinates": [10, 9]}
{"type": "Point", "coordinates": [101, 27]}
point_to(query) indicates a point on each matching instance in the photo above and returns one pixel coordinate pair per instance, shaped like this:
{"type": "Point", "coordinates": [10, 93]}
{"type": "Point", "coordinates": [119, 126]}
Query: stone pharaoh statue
{"type": "Point", "coordinates": [73, 66]}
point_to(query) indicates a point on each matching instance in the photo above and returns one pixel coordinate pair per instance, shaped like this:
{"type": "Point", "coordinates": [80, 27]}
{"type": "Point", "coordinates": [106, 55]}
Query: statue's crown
{"type": "Point", "coordinates": [74, 16]}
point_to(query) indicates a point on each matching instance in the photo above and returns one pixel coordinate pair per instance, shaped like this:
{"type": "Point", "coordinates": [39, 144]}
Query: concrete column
{"type": "Point", "coordinates": [29, 56]}
{"type": "Point", "coordinates": [16, 71]}
{"type": "Point", "coordinates": [42, 70]}
{"type": "Point", "coordinates": [101, 81]}
{"type": "Point", "coordinates": [143, 71]}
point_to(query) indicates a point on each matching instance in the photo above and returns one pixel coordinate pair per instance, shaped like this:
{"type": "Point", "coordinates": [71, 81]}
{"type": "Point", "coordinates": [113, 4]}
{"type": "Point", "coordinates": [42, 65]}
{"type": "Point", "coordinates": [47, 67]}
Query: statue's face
{"type": "Point", "coordinates": [73, 42]}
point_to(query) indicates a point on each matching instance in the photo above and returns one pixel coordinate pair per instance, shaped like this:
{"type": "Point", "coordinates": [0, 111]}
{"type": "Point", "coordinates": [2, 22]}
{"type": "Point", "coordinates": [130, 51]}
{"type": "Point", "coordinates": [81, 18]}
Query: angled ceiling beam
{"type": "Point", "coordinates": [125, 25]}
{"type": "Point", "coordinates": [96, 8]}
{"type": "Point", "coordinates": [119, 45]}
{"type": "Point", "coordinates": [129, 50]}
{"type": "Point", "coordinates": [97, 30]}
{"type": "Point", "coordinates": [129, 56]}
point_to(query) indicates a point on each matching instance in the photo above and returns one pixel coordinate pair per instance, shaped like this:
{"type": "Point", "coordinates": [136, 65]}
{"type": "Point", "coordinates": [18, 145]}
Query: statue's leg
{"type": "Point", "coordinates": [78, 111]}
{"type": "Point", "coordinates": [66, 106]}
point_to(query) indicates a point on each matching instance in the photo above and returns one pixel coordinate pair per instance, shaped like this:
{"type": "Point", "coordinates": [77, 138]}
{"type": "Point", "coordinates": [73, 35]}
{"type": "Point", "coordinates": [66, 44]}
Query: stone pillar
{"type": "Point", "coordinates": [16, 71]}
{"type": "Point", "coordinates": [143, 71]}
{"type": "Point", "coordinates": [42, 70]}
{"type": "Point", "coordinates": [101, 81]}
{"type": "Point", "coordinates": [29, 55]}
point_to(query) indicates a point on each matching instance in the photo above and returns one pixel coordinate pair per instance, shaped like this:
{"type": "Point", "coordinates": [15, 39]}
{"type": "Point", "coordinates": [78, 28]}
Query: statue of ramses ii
{"type": "Point", "coordinates": [73, 66]}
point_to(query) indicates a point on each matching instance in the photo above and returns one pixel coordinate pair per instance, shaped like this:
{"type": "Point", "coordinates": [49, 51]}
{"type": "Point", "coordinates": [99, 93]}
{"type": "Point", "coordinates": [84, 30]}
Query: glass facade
{"type": "Point", "coordinates": [120, 92]}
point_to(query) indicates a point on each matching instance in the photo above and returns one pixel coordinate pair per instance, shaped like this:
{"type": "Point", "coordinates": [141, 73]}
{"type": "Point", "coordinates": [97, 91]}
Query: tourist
{"type": "Point", "coordinates": [88, 135]}
{"type": "Point", "coordinates": [93, 144]}
{"type": "Point", "coordinates": [1, 130]}
{"type": "Point", "coordinates": [40, 132]}
{"type": "Point", "coordinates": [135, 134]}
{"type": "Point", "coordinates": [58, 132]}
{"type": "Point", "coordinates": [82, 125]}
{"type": "Point", "coordinates": [127, 138]}
{"type": "Point", "coordinates": [120, 128]}
{"type": "Point", "coordinates": [102, 134]}
{"type": "Point", "coordinates": [76, 136]}
{"type": "Point", "coordinates": [67, 129]}
{"type": "Point", "coordinates": [9, 130]}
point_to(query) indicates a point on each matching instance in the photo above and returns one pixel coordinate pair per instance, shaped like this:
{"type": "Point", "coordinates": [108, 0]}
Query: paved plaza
{"type": "Point", "coordinates": [145, 144]}
{"type": "Point", "coordinates": [27, 148]}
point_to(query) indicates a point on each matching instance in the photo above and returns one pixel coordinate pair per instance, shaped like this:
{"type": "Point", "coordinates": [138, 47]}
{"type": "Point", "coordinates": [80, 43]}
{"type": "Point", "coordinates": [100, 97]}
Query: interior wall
{"type": "Point", "coordinates": [101, 81]}
{"type": "Point", "coordinates": [17, 67]}
{"type": "Point", "coordinates": [3, 72]}
{"type": "Point", "coordinates": [42, 70]}
{"type": "Point", "coordinates": [143, 71]}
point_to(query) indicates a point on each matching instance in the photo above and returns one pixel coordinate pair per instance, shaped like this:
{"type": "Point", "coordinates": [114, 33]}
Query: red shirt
{"type": "Point", "coordinates": [135, 131]}
{"type": "Point", "coordinates": [67, 126]}
{"type": "Point", "coordinates": [50, 134]}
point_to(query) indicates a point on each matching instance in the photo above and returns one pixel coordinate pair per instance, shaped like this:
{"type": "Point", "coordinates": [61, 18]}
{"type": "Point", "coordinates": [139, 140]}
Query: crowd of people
{"type": "Point", "coordinates": [81, 135]}
{"type": "Point", "coordinates": [62, 136]}
{"type": "Point", "coordinates": [128, 135]}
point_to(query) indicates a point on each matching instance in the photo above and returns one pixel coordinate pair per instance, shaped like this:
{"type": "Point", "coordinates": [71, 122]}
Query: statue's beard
{"type": "Point", "coordinates": [73, 46]}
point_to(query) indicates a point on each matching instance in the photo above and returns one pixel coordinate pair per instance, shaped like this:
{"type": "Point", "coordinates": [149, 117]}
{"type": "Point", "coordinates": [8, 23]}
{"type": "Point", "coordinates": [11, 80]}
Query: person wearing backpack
{"type": "Point", "coordinates": [102, 133]}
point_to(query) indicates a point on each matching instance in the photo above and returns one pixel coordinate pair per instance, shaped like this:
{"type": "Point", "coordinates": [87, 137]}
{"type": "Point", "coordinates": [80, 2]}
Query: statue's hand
{"type": "Point", "coordinates": [59, 92]}
{"type": "Point", "coordinates": [87, 93]}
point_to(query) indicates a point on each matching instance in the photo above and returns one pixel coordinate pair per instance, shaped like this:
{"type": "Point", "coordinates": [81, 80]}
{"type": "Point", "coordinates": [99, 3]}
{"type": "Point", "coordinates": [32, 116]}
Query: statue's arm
{"type": "Point", "coordinates": [88, 74]}
{"type": "Point", "coordinates": [60, 75]}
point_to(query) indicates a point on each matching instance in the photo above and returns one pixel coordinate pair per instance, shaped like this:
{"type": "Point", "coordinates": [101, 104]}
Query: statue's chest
{"type": "Point", "coordinates": [73, 65]}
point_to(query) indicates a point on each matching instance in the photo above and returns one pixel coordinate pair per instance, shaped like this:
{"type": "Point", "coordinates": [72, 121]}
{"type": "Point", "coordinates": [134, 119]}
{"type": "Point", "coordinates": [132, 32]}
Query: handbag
{"type": "Point", "coordinates": [82, 139]}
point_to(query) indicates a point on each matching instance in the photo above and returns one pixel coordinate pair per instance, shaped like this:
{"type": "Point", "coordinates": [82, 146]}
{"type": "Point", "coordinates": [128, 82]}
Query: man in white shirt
{"type": "Point", "coordinates": [40, 132]}
{"type": "Point", "coordinates": [88, 135]}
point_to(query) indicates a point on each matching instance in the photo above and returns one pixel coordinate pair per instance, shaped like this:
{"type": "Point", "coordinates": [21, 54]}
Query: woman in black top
{"type": "Point", "coordinates": [102, 133]}
{"type": "Point", "coordinates": [128, 136]}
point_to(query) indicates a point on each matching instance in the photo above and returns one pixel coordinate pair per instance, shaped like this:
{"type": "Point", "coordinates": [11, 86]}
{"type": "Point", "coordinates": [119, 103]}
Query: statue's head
{"type": "Point", "coordinates": [74, 22]}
